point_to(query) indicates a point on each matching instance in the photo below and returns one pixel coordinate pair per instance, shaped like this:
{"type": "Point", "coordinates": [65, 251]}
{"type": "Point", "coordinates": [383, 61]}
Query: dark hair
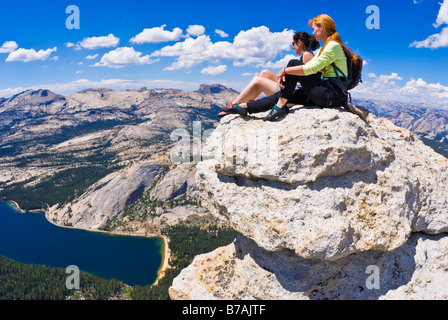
{"type": "Point", "coordinates": [309, 40]}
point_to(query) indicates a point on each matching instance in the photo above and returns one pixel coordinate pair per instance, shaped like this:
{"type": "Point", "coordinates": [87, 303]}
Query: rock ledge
{"type": "Point", "coordinates": [317, 198]}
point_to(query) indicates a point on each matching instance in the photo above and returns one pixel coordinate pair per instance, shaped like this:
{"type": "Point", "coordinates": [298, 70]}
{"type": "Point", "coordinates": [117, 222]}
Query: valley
{"type": "Point", "coordinates": [100, 160]}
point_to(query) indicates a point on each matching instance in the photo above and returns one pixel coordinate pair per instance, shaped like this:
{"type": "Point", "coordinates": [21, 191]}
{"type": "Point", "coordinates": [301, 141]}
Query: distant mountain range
{"type": "Point", "coordinates": [427, 121]}
{"type": "Point", "coordinates": [52, 147]}
{"type": "Point", "coordinates": [430, 123]}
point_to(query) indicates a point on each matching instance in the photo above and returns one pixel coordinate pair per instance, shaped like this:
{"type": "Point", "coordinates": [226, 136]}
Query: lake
{"type": "Point", "coordinates": [30, 238]}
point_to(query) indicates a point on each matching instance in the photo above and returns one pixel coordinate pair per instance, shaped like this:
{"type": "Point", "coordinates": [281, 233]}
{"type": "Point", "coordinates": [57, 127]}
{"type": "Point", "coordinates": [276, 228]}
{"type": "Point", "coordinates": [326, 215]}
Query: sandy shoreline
{"type": "Point", "coordinates": [166, 258]}
{"type": "Point", "coordinates": [166, 251]}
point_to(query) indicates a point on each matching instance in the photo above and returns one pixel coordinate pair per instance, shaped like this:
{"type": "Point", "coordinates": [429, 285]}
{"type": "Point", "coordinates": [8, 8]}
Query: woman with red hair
{"type": "Point", "coordinates": [266, 82]}
{"type": "Point", "coordinates": [321, 91]}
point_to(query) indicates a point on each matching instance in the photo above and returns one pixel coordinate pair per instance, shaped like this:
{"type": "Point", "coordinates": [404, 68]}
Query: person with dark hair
{"type": "Point", "coordinates": [317, 78]}
{"type": "Point", "coordinates": [266, 81]}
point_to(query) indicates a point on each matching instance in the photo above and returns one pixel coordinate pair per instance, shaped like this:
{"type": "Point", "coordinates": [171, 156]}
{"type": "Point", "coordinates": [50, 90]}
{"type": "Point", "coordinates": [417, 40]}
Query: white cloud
{"type": "Point", "coordinates": [11, 91]}
{"type": "Point", "coordinates": [385, 87]}
{"type": "Point", "coordinates": [9, 46]}
{"type": "Point", "coordinates": [91, 57]}
{"type": "Point", "coordinates": [27, 55]}
{"type": "Point", "coordinates": [437, 40]}
{"type": "Point", "coordinates": [416, 89]}
{"type": "Point", "coordinates": [74, 46]}
{"type": "Point", "coordinates": [157, 35]}
{"type": "Point", "coordinates": [280, 63]}
{"type": "Point", "coordinates": [99, 42]}
{"type": "Point", "coordinates": [221, 33]}
{"type": "Point", "coordinates": [196, 30]}
{"type": "Point", "coordinates": [250, 74]}
{"type": "Point", "coordinates": [191, 52]}
{"type": "Point", "coordinates": [123, 57]}
{"type": "Point", "coordinates": [213, 71]}
{"type": "Point", "coordinates": [388, 79]}
{"type": "Point", "coordinates": [434, 41]}
{"type": "Point", "coordinates": [253, 47]}
{"type": "Point", "coordinates": [442, 17]}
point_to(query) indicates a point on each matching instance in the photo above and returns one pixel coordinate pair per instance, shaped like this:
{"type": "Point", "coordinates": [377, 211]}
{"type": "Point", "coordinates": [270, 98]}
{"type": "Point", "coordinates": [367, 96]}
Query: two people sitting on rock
{"type": "Point", "coordinates": [315, 77]}
{"type": "Point", "coordinates": [266, 81]}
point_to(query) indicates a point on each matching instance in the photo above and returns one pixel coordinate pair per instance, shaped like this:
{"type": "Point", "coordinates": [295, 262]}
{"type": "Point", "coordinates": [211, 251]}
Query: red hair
{"type": "Point", "coordinates": [328, 24]}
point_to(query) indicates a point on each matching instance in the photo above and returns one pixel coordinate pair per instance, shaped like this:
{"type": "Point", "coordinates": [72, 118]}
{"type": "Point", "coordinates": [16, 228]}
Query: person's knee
{"type": "Point", "coordinates": [256, 80]}
{"type": "Point", "coordinates": [265, 74]}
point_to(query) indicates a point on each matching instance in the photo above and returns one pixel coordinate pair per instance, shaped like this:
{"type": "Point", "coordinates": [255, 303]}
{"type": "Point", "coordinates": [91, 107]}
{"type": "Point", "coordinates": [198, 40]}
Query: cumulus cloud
{"type": "Point", "coordinates": [196, 30]}
{"type": "Point", "coordinates": [434, 41]}
{"type": "Point", "coordinates": [95, 43]}
{"type": "Point", "coordinates": [157, 35]}
{"type": "Point", "coordinates": [419, 88]}
{"type": "Point", "coordinates": [27, 55]}
{"type": "Point", "coordinates": [253, 47]}
{"type": "Point", "coordinates": [280, 63]}
{"type": "Point", "coordinates": [213, 71]}
{"type": "Point", "coordinates": [389, 79]}
{"type": "Point", "coordinates": [99, 42]}
{"type": "Point", "coordinates": [389, 87]}
{"type": "Point", "coordinates": [9, 46]}
{"type": "Point", "coordinates": [221, 33]}
{"type": "Point", "coordinates": [191, 52]}
{"type": "Point", "coordinates": [91, 57]}
{"type": "Point", "coordinates": [442, 17]}
{"type": "Point", "coordinates": [123, 57]}
{"type": "Point", "coordinates": [437, 40]}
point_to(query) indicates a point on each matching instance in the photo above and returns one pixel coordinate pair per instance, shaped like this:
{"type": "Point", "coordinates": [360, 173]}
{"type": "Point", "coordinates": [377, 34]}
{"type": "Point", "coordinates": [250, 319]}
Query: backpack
{"type": "Point", "coordinates": [354, 73]}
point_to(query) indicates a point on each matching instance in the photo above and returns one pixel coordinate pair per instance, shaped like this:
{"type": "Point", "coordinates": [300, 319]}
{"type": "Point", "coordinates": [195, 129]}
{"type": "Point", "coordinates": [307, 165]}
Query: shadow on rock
{"type": "Point", "coordinates": [364, 276]}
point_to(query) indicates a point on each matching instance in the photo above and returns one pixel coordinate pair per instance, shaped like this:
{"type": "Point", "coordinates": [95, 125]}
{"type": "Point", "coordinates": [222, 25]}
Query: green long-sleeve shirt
{"type": "Point", "coordinates": [333, 52]}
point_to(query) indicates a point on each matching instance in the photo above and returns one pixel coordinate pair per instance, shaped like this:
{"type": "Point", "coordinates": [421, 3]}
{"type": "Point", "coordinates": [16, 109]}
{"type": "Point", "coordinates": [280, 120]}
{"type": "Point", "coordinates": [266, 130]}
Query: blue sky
{"type": "Point", "coordinates": [181, 44]}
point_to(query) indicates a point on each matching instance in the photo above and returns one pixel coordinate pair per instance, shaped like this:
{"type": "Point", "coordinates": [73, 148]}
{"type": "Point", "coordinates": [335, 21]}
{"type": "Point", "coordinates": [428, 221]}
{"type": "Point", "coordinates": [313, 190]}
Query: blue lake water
{"type": "Point", "coordinates": [30, 238]}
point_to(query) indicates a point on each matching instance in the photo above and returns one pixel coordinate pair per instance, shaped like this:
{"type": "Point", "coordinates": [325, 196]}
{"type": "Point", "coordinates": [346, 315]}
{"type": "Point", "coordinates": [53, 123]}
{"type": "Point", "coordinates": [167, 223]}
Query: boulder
{"type": "Point", "coordinates": [323, 183]}
{"type": "Point", "coordinates": [245, 271]}
{"type": "Point", "coordinates": [321, 201]}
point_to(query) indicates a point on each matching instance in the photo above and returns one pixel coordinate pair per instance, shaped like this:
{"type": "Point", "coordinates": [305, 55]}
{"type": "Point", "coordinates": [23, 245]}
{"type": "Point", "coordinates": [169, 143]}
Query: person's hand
{"type": "Point", "coordinates": [281, 79]}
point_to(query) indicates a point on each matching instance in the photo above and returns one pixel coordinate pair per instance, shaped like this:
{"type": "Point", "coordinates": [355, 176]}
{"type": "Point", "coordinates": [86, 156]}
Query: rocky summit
{"type": "Point", "coordinates": [326, 207]}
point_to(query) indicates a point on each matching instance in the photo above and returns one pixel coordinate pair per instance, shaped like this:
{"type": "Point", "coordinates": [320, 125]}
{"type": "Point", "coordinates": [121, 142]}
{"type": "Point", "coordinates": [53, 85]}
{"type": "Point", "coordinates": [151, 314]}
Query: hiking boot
{"type": "Point", "coordinates": [222, 113]}
{"type": "Point", "coordinates": [235, 109]}
{"type": "Point", "coordinates": [276, 112]}
{"type": "Point", "coordinates": [360, 112]}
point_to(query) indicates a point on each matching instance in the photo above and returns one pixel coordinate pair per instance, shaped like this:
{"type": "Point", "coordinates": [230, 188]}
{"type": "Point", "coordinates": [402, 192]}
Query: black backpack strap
{"type": "Point", "coordinates": [341, 80]}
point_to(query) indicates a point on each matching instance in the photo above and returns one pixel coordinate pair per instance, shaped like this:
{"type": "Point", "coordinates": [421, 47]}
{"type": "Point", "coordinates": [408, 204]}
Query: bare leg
{"type": "Point", "coordinates": [282, 102]}
{"type": "Point", "coordinates": [266, 83]}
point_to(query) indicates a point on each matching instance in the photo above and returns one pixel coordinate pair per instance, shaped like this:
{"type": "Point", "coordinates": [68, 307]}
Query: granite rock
{"type": "Point", "coordinates": [323, 183]}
